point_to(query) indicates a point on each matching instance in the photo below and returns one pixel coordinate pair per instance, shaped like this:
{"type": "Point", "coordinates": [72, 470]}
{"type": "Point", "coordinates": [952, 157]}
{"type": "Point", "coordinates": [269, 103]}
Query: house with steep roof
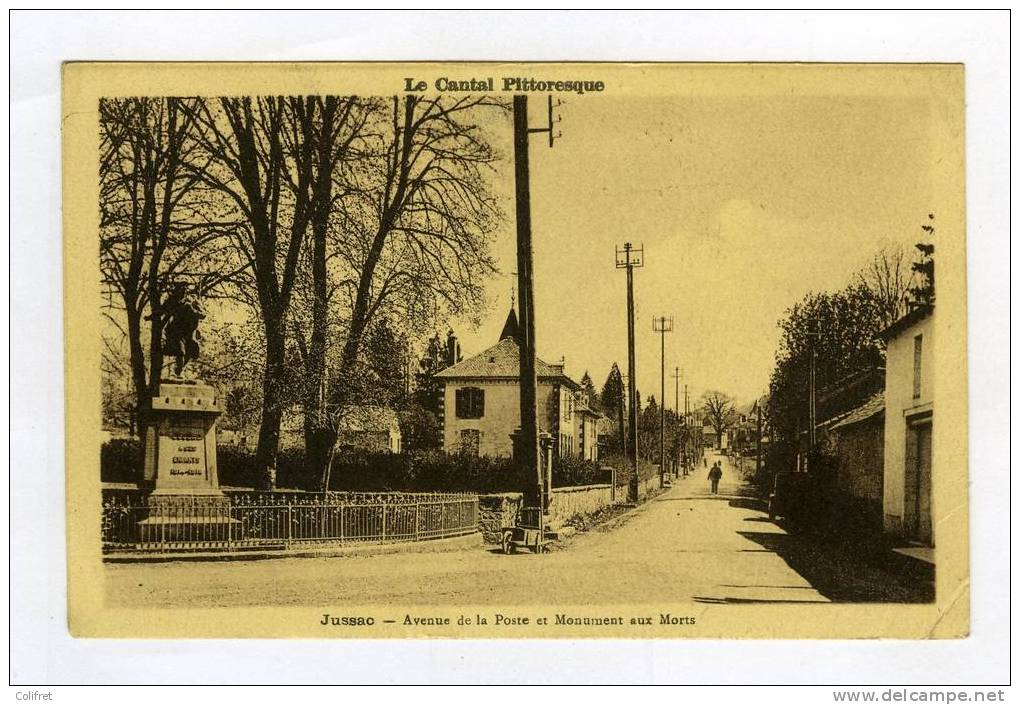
{"type": "Point", "coordinates": [480, 404]}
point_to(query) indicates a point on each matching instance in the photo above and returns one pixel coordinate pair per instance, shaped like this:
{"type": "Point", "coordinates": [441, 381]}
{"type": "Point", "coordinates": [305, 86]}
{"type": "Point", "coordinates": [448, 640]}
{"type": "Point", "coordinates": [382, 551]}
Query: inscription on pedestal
{"type": "Point", "coordinates": [182, 451]}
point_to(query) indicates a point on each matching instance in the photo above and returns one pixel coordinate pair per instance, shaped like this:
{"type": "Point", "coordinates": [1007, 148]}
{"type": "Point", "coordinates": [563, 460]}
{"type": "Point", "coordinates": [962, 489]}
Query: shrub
{"type": "Point", "coordinates": [120, 460]}
{"type": "Point", "coordinates": [646, 469]}
{"type": "Point", "coordinates": [572, 470]}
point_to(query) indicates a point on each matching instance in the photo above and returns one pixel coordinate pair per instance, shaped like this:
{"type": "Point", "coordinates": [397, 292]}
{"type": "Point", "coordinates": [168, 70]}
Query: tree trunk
{"type": "Point", "coordinates": [141, 387]}
{"type": "Point", "coordinates": [319, 437]}
{"type": "Point", "coordinates": [318, 434]}
{"type": "Point", "coordinates": [272, 404]}
{"type": "Point", "coordinates": [155, 340]}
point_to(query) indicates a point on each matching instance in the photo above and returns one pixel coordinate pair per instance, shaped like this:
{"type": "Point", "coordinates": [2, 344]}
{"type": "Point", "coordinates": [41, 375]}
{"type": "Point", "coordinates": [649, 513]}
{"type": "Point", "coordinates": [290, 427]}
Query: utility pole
{"type": "Point", "coordinates": [757, 459]}
{"type": "Point", "coordinates": [683, 425]}
{"type": "Point", "coordinates": [692, 428]}
{"type": "Point", "coordinates": [812, 409]}
{"type": "Point", "coordinates": [528, 445]}
{"type": "Point", "coordinates": [676, 381]}
{"type": "Point", "coordinates": [628, 258]}
{"type": "Point", "coordinates": [662, 325]}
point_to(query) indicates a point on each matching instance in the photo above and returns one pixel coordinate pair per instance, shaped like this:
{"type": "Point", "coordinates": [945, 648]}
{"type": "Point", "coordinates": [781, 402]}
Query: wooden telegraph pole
{"type": "Point", "coordinates": [628, 258]}
{"type": "Point", "coordinates": [812, 409]}
{"type": "Point", "coordinates": [662, 325]}
{"type": "Point", "coordinates": [530, 453]}
{"type": "Point", "coordinates": [680, 414]}
{"type": "Point", "coordinates": [757, 458]}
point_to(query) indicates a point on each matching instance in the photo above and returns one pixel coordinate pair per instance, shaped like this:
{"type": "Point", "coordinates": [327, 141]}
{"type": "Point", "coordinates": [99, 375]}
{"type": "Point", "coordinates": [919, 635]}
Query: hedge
{"type": "Point", "coordinates": [121, 460]}
{"type": "Point", "coordinates": [364, 471]}
{"type": "Point", "coordinates": [646, 469]}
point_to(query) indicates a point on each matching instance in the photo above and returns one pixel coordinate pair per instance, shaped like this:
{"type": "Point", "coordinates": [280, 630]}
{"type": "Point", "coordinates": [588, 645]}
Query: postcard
{"type": "Point", "coordinates": [515, 350]}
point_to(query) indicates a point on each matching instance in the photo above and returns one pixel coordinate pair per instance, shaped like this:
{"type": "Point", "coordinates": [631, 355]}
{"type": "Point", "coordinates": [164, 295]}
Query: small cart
{"type": "Point", "coordinates": [528, 533]}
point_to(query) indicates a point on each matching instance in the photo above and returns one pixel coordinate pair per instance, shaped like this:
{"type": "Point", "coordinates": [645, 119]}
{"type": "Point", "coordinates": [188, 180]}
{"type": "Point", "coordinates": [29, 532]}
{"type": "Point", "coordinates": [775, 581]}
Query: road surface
{"type": "Point", "coordinates": [685, 545]}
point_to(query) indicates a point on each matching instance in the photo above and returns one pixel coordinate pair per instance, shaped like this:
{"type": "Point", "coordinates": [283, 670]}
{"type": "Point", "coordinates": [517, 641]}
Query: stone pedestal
{"type": "Point", "coordinates": [179, 450]}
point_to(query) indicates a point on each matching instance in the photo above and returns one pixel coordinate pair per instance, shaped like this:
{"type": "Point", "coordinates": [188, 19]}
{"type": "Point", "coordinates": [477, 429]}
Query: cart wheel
{"type": "Point", "coordinates": [508, 544]}
{"type": "Point", "coordinates": [539, 549]}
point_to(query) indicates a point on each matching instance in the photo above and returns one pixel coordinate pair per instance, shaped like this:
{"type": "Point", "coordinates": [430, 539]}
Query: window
{"type": "Point", "coordinates": [470, 403]}
{"type": "Point", "coordinates": [917, 366]}
{"type": "Point", "coordinates": [470, 441]}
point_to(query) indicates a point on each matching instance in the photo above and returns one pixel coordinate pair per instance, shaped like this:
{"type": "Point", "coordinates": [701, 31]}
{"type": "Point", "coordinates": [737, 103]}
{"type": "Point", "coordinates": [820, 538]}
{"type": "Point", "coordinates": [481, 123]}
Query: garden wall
{"type": "Point", "coordinates": [588, 499]}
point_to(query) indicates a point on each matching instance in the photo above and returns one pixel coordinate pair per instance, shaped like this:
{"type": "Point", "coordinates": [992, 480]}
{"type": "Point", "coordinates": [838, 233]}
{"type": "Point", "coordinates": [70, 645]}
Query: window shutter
{"type": "Point", "coordinates": [461, 403]}
{"type": "Point", "coordinates": [479, 403]}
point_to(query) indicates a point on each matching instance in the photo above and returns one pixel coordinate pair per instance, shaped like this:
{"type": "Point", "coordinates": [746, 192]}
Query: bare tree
{"type": "Point", "coordinates": [262, 158]}
{"type": "Point", "coordinates": [720, 411]}
{"type": "Point", "coordinates": [155, 221]}
{"type": "Point", "coordinates": [335, 127]}
{"type": "Point", "coordinates": [415, 223]}
{"type": "Point", "coordinates": [886, 278]}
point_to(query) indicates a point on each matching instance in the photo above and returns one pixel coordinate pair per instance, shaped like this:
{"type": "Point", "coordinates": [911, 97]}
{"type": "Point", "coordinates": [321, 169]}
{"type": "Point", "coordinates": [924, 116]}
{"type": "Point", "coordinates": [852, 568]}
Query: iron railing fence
{"type": "Point", "coordinates": [247, 520]}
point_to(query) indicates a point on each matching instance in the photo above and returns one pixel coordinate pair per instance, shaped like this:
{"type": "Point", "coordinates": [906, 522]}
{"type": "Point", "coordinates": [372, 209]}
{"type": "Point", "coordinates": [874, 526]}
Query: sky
{"type": "Point", "coordinates": [748, 188]}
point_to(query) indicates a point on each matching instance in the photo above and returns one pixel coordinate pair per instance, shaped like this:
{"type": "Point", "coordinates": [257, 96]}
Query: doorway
{"type": "Point", "coordinates": [918, 483]}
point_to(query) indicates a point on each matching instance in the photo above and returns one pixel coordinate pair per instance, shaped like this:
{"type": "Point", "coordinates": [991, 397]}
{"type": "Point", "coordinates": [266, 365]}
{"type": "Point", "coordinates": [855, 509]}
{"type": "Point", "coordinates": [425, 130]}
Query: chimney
{"type": "Point", "coordinates": [452, 348]}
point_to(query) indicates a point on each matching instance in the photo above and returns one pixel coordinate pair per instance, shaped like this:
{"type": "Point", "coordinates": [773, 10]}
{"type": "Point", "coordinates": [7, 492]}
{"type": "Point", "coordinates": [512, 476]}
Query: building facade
{"type": "Point", "coordinates": [480, 403]}
{"type": "Point", "coordinates": [909, 415]}
{"type": "Point", "coordinates": [372, 428]}
{"type": "Point", "coordinates": [855, 440]}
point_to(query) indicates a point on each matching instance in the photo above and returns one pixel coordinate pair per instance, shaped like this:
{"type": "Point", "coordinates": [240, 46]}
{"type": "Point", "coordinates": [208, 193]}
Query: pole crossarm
{"type": "Point", "coordinates": [629, 256]}
{"type": "Point", "coordinates": [559, 118]}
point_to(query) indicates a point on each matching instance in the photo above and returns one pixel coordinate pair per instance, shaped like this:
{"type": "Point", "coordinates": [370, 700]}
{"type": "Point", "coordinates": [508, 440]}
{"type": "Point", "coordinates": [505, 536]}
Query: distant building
{"type": "Point", "coordinates": [909, 413]}
{"type": "Point", "coordinates": [368, 427]}
{"type": "Point", "coordinates": [371, 428]}
{"type": "Point", "coordinates": [586, 439]}
{"type": "Point", "coordinates": [712, 438]}
{"type": "Point", "coordinates": [855, 440]}
{"type": "Point", "coordinates": [481, 402]}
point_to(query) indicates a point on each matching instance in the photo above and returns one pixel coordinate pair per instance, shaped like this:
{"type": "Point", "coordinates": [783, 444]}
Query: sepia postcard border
{"type": "Point", "coordinates": [84, 83]}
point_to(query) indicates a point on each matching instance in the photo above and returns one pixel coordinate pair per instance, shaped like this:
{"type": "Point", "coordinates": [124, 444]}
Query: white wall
{"type": "Point", "coordinates": [502, 414]}
{"type": "Point", "coordinates": [900, 402]}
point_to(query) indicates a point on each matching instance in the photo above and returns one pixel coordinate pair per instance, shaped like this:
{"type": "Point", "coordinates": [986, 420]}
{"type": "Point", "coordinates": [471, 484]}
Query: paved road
{"type": "Point", "coordinates": [685, 545]}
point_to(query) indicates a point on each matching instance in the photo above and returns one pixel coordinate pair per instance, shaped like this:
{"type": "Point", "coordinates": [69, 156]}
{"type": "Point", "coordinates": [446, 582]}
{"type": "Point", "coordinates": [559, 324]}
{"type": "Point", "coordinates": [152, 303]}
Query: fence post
{"type": "Point", "coordinates": [417, 518]}
{"type": "Point", "coordinates": [383, 522]}
{"type": "Point", "coordinates": [341, 522]}
{"type": "Point", "coordinates": [290, 524]}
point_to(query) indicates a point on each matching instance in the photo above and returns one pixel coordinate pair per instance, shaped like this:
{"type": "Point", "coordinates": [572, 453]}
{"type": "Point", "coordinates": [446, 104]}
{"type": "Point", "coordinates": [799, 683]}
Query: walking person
{"type": "Point", "coordinates": [714, 475]}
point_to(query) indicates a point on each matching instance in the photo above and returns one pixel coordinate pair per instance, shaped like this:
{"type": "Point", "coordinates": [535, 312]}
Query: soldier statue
{"type": "Point", "coordinates": [181, 336]}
